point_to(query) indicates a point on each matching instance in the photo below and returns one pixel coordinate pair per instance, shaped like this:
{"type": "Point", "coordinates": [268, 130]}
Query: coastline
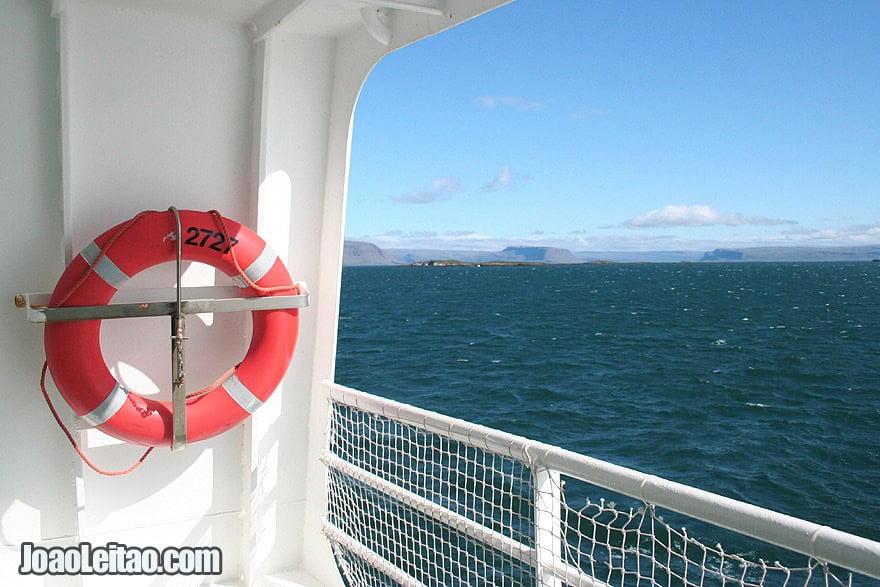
{"type": "Point", "coordinates": [457, 263]}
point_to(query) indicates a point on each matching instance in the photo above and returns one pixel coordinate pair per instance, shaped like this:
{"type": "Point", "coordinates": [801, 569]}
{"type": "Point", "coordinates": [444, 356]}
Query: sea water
{"type": "Point", "coordinates": [756, 381]}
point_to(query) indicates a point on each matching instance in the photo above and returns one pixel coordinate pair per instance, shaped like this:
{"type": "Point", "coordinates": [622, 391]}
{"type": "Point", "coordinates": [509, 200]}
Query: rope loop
{"type": "Point", "coordinates": [73, 441]}
{"type": "Point", "coordinates": [241, 272]}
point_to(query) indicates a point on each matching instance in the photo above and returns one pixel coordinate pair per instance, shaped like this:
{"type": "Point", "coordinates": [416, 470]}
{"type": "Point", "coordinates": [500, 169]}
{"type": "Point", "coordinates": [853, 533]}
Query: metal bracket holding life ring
{"type": "Point", "coordinates": [83, 294]}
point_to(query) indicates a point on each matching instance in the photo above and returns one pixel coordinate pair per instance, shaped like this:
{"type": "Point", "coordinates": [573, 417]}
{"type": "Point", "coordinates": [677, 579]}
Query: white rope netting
{"type": "Point", "coordinates": [412, 506]}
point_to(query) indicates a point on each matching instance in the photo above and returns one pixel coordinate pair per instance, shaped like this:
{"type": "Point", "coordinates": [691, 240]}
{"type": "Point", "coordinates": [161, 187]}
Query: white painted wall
{"type": "Point", "coordinates": [36, 473]}
{"type": "Point", "coordinates": [157, 111]}
{"type": "Point", "coordinates": [107, 110]}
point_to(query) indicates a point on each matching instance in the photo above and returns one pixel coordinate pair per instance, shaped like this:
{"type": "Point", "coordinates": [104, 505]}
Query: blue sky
{"type": "Point", "coordinates": [612, 126]}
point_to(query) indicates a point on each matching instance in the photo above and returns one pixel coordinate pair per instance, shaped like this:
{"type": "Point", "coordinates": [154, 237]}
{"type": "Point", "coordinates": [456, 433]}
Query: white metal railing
{"type": "Point", "coordinates": [417, 497]}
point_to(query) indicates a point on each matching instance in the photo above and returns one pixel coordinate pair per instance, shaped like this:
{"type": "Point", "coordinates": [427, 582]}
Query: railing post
{"type": "Point", "coordinates": [548, 524]}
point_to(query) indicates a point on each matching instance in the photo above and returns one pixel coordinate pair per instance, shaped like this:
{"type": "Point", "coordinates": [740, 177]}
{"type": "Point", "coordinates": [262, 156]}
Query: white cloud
{"type": "Point", "coordinates": [697, 215]}
{"type": "Point", "coordinates": [515, 102]}
{"type": "Point", "coordinates": [505, 178]}
{"type": "Point", "coordinates": [500, 181]}
{"type": "Point", "coordinates": [441, 188]}
{"type": "Point", "coordinates": [584, 240]}
{"type": "Point", "coordinates": [856, 235]}
{"type": "Point", "coordinates": [462, 240]}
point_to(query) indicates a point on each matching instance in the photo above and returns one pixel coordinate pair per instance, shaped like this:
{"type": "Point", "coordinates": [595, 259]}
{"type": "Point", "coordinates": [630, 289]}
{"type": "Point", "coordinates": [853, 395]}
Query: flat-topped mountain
{"type": "Point", "coordinates": [362, 253]}
{"type": "Point", "coordinates": [866, 253]}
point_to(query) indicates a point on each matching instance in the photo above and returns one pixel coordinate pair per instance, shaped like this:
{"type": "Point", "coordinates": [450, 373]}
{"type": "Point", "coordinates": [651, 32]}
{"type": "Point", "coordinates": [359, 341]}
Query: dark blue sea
{"type": "Point", "coordinates": [757, 381]}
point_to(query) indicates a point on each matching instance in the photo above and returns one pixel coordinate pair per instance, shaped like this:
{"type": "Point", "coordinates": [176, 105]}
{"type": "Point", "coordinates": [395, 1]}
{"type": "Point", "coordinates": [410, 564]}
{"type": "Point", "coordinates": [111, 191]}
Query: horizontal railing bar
{"type": "Point", "coordinates": [376, 561]}
{"type": "Point", "coordinates": [525, 554]}
{"type": "Point", "coordinates": [160, 302]}
{"type": "Point", "coordinates": [425, 506]}
{"type": "Point", "coordinates": [572, 575]}
{"type": "Point", "coordinates": [820, 542]}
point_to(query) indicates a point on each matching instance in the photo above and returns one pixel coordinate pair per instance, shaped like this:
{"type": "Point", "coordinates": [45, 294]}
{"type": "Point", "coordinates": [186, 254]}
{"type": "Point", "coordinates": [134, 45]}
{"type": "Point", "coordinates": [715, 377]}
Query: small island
{"type": "Point", "coordinates": [457, 263]}
{"type": "Point", "coordinates": [510, 257]}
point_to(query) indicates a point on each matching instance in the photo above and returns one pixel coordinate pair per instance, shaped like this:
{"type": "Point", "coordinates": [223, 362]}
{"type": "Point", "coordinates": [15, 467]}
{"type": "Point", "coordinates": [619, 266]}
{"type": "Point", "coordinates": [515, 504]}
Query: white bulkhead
{"type": "Point", "coordinates": [110, 107]}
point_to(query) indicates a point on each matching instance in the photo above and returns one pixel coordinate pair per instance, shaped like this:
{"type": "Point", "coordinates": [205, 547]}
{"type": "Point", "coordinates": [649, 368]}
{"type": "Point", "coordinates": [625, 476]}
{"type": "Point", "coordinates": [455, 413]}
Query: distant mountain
{"type": "Point", "coordinates": [361, 253]}
{"type": "Point", "coordinates": [364, 253]}
{"type": "Point", "coordinates": [767, 254]}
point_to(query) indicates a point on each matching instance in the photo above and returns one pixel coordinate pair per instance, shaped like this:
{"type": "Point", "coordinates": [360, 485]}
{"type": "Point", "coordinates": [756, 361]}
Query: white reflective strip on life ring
{"type": "Point", "coordinates": [241, 394]}
{"type": "Point", "coordinates": [260, 267]}
{"type": "Point", "coordinates": [106, 268]}
{"type": "Point", "coordinates": [108, 408]}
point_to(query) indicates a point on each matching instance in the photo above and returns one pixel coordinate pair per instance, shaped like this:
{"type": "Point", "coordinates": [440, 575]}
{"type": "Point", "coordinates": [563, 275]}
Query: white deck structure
{"type": "Point", "coordinates": [110, 107]}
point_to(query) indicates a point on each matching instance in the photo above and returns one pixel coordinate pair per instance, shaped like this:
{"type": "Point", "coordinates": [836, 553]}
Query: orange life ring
{"type": "Point", "coordinates": [73, 349]}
